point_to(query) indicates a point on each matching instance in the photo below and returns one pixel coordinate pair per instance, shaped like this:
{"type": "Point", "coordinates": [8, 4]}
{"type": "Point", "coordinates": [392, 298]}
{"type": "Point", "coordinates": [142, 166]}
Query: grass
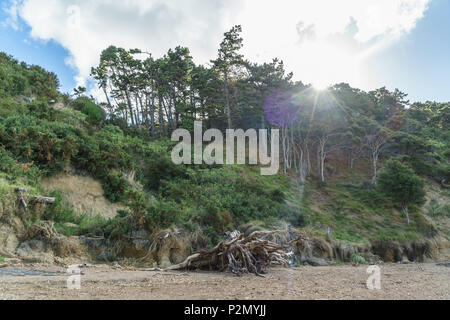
{"type": "Point", "coordinates": [356, 215]}
{"type": "Point", "coordinates": [2, 259]}
{"type": "Point", "coordinates": [339, 263]}
{"type": "Point", "coordinates": [436, 209]}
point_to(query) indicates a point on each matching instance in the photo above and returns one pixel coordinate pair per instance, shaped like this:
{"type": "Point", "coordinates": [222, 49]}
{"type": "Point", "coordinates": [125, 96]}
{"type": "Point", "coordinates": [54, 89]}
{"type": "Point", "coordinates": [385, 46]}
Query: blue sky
{"type": "Point", "coordinates": [416, 61]}
{"type": "Point", "coordinates": [419, 63]}
{"type": "Point", "coordinates": [47, 54]}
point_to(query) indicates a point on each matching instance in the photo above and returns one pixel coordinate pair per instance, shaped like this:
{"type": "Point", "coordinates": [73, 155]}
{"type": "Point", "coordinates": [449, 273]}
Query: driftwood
{"type": "Point", "coordinates": [239, 255]}
{"type": "Point", "coordinates": [32, 199]}
{"type": "Point", "coordinates": [39, 199]}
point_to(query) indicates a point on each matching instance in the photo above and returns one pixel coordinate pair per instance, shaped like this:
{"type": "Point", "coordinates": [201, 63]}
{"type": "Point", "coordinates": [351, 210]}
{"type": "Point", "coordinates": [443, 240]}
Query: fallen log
{"type": "Point", "coordinates": [32, 199]}
{"type": "Point", "coordinates": [39, 199]}
{"type": "Point", "coordinates": [239, 254]}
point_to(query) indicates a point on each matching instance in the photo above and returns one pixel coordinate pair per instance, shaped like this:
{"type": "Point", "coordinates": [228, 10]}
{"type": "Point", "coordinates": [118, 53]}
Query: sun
{"type": "Point", "coordinates": [329, 63]}
{"type": "Point", "coordinates": [320, 85]}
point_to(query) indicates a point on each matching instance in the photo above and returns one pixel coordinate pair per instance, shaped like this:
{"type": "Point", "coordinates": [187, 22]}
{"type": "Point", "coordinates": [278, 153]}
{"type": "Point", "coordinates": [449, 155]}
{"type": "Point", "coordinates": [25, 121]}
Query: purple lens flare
{"type": "Point", "coordinates": [280, 109]}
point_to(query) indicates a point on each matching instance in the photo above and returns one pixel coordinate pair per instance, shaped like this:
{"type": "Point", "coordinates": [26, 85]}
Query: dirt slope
{"type": "Point", "coordinates": [84, 193]}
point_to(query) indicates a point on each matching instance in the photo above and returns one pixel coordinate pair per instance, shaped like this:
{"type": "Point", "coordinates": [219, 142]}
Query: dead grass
{"type": "Point", "coordinates": [84, 194]}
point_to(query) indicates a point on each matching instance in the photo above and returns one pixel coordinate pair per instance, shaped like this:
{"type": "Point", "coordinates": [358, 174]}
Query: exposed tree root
{"type": "Point", "coordinates": [239, 255]}
{"type": "Point", "coordinates": [44, 230]}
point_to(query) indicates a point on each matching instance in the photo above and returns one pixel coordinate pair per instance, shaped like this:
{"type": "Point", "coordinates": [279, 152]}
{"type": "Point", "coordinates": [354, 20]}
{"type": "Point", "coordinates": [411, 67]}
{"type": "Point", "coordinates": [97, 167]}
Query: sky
{"type": "Point", "coordinates": [402, 44]}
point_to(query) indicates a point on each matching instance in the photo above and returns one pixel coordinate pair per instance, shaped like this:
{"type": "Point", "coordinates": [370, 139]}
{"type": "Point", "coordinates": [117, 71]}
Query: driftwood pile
{"type": "Point", "coordinates": [239, 254]}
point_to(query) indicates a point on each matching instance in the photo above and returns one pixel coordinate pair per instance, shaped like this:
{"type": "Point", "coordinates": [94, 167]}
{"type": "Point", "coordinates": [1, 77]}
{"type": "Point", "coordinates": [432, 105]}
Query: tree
{"type": "Point", "coordinates": [78, 92]}
{"type": "Point", "coordinates": [228, 59]}
{"type": "Point", "coordinates": [401, 184]}
{"type": "Point", "coordinates": [375, 138]}
{"type": "Point", "coordinates": [265, 79]}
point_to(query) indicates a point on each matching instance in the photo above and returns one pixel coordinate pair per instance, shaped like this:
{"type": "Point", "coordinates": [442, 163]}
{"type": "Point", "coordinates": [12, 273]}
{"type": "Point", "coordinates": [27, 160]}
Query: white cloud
{"type": "Point", "coordinates": [12, 15]}
{"type": "Point", "coordinates": [320, 40]}
{"type": "Point", "coordinates": [325, 41]}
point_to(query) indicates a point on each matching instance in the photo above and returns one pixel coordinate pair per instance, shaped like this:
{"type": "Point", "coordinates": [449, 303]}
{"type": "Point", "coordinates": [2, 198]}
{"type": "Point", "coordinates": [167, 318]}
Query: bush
{"type": "Point", "coordinates": [294, 216]}
{"type": "Point", "coordinates": [357, 259]}
{"type": "Point", "coordinates": [277, 195]}
{"type": "Point", "coordinates": [122, 224]}
{"type": "Point", "coordinates": [59, 211]}
{"type": "Point", "coordinates": [162, 214]}
{"type": "Point", "coordinates": [158, 168]}
{"type": "Point", "coordinates": [400, 183]}
{"type": "Point", "coordinates": [85, 105]}
{"type": "Point", "coordinates": [115, 187]}
{"type": "Point", "coordinates": [14, 170]}
{"type": "Point", "coordinates": [50, 145]}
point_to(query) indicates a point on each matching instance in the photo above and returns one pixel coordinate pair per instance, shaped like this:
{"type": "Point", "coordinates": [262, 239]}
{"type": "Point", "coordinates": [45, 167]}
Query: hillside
{"type": "Point", "coordinates": [118, 194]}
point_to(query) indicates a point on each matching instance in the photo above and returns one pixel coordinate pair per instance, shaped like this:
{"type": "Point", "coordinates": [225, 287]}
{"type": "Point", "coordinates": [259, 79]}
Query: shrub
{"type": "Point", "coordinates": [277, 195]}
{"type": "Point", "coordinates": [293, 215]}
{"type": "Point", "coordinates": [357, 259]}
{"type": "Point", "coordinates": [89, 108]}
{"type": "Point", "coordinates": [59, 211]}
{"type": "Point", "coordinates": [50, 145]}
{"type": "Point", "coordinates": [401, 184]}
{"type": "Point", "coordinates": [120, 225]}
{"type": "Point", "coordinates": [114, 187]}
{"type": "Point", "coordinates": [159, 167]}
{"type": "Point", "coordinates": [162, 214]}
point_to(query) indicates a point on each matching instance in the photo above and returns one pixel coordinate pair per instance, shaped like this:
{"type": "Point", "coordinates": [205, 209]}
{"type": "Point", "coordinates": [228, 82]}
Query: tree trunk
{"type": "Point", "coordinates": [375, 169]}
{"type": "Point", "coordinates": [227, 99]}
{"type": "Point", "coordinates": [152, 114]}
{"type": "Point", "coordinates": [130, 107]}
{"type": "Point", "coordinates": [405, 210]}
{"type": "Point", "coordinates": [107, 98]}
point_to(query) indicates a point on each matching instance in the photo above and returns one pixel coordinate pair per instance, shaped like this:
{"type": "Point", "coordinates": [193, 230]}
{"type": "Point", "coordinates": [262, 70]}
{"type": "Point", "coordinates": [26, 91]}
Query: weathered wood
{"type": "Point", "coordinates": [39, 199]}
{"type": "Point", "coordinates": [22, 201]}
{"type": "Point", "coordinates": [241, 255]}
{"type": "Point", "coordinates": [33, 199]}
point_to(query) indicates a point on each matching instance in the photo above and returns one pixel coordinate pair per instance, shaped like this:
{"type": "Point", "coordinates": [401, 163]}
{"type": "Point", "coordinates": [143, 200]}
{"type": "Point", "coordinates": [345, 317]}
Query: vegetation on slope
{"type": "Point", "coordinates": [332, 149]}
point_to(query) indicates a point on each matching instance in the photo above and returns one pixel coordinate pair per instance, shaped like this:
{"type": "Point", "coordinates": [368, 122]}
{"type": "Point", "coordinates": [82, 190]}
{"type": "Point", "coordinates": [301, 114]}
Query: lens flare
{"type": "Point", "coordinates": [280, 109]}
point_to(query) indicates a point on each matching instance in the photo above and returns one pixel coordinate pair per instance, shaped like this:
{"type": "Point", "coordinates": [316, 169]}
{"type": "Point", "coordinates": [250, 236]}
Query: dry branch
{"type": "Point", "coordinates": [39, 199]}
{"type": "Point", "coordinates": [32, 199]}
{"type": "Point", "coordinates": [239, 254]}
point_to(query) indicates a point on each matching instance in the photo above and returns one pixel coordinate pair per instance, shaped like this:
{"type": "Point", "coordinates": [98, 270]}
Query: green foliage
{"type": "Point", "coordinates": [162, 214]}
{"type": "Point", "coordinates": [148, 99]}
{"type": "Point", "coordinates": [159, 168]}
{"type": "Point", "coordinates": [89, 108]}
{"type": "Point", "coordinates": [59, 212]}
{"type": "Point", "coordinates": [437, 209]}
{"type": "Point", "coordinates": [48, 144]}
{"type": "Point", "coordinates": [401, 184]}
{"type": "Point", "coordinates": [2, 259]}
{"type": "Point", "coordinates": [68, 222]}
{"type": "Point", "coordinates": [122, 224]}
{"type": "Point", "coordinates": [115, 187]}
{"type": "Point", "coordinates": [294, 216]}
{"type": "Point", "coordinates": [22, 79]}
{"type": "Point", "coordinates": [339, 263]}
{"type": "Point", "coordinates": [14, 170]}
{"type": "Point", "coordinates": [358, 259]}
